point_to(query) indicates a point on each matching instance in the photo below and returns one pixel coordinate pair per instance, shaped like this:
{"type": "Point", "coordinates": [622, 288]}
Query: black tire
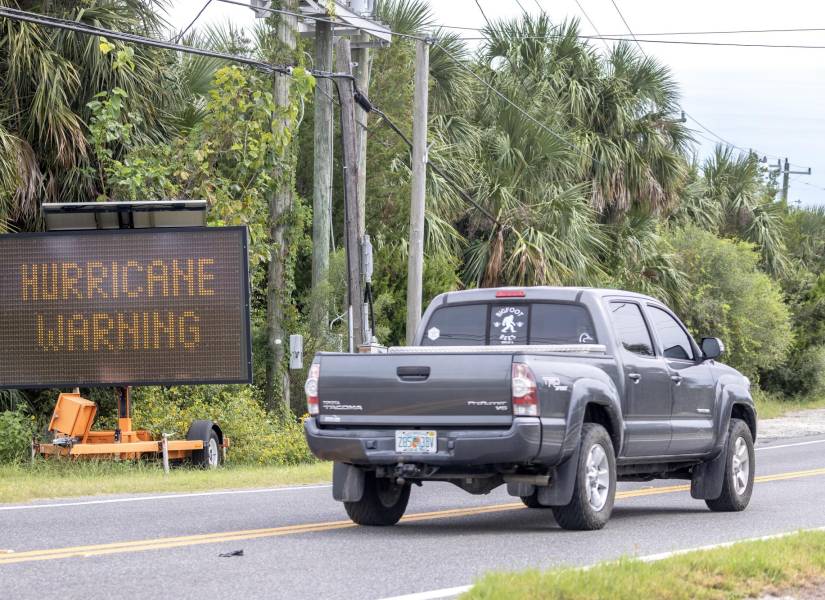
{"type": "Point", "coordinates": [208, 458]}
{"type": "Point", "coordinates": [382, 504]}
{"type": "Point", "coordinates": [579, 514]}
{"type": "Point", "coordinates": [735, 498]}
{"type": "Point", "coordinates": [532, 501]}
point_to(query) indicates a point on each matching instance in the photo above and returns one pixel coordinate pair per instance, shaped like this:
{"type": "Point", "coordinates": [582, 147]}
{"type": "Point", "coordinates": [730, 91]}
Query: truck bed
{"type": "Point", "coordinates": [425, 386]}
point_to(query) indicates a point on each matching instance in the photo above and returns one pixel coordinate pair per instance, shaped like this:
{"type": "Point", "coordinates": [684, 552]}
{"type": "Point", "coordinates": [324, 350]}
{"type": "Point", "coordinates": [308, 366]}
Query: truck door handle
{"type": "Point", "coordinates": [634, 377]}
{"type": "Point", "coordinates": [413, 373]}
{"type": "Point", "coordinates": [677, 379]}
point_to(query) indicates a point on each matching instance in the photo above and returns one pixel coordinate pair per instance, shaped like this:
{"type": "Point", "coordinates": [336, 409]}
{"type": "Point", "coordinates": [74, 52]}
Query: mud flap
{"type": "Point", "coordinates": [562, 483]}
{"type": "Point", "coordinates": [347, 482]}
{"type": "Point", "coordinates": [708, 477]}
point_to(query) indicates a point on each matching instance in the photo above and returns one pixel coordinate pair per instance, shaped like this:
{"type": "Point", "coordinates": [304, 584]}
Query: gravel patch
{"type": "Point", "coordinates": [795, 424]}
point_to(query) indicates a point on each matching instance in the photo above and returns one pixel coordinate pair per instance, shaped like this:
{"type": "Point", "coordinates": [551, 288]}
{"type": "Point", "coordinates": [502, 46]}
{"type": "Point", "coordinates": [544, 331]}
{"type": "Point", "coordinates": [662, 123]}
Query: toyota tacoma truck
{"type": "Point", "coordinates": [557, 393]}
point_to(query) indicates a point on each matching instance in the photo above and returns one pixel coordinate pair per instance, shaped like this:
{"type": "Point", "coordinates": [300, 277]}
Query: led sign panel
{"type": "Point", "coordinates": [124, 307]}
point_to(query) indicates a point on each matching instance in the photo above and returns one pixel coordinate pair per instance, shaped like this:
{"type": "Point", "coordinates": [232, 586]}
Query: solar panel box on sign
{"type": "Point", "coordinates": [159, 306]}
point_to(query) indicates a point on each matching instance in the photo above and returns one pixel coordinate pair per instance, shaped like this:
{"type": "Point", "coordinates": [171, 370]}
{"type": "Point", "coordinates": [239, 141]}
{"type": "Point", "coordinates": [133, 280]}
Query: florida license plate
{"type": "Point", "coordinates": [416, 442]}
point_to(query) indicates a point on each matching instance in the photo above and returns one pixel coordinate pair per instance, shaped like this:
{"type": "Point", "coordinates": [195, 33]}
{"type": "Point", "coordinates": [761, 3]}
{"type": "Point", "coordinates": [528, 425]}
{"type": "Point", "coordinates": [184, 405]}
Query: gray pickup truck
{"type": "Point", "coordinates": [556, 392]}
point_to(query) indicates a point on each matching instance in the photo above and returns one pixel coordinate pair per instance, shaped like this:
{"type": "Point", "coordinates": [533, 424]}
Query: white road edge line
{"type": "Point", "coordinates": [790, 445]}
{"type": "Point", "coordinates": [458, 590]}
{"type": "Point", "coordinates": [166, 497]}
{"type": "Point", "coordinates": [254, 491]}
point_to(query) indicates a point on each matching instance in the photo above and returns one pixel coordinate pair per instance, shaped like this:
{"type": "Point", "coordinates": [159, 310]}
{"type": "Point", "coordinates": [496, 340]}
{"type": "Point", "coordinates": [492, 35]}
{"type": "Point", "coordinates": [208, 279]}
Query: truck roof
{"type": "Point", "coordinates": [567, 294]}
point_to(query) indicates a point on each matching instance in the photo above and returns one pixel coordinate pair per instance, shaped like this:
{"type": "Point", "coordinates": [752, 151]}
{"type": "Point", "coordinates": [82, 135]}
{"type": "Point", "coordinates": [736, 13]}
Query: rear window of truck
{"type": "Point", "coordinates": [503, 324]}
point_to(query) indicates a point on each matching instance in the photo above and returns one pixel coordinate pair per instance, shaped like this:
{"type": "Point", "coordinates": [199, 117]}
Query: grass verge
{"type": "Point", "coordinates": [746, 570]}
{"type": "Point", "coordinates": [53, 479]}
{"type": "Point", "coordinates": [770, 406]}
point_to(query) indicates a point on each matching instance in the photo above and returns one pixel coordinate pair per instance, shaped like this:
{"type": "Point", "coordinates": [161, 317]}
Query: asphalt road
{"type": "Point", "coordinates": [298, 543]}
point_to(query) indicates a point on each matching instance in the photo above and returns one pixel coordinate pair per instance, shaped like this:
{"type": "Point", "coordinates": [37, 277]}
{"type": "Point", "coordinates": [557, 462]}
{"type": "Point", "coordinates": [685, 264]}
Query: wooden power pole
{"type": "Point", "coordinates": [280, 204]}
{"type": "Point", "coordinates": [361, 57]}
{"type": "Point", "coordinates": [322, 180]}
{"type": "Point", "coordinates": [415, 266]}
{"type": "Point", "coordinates": [355, 291]}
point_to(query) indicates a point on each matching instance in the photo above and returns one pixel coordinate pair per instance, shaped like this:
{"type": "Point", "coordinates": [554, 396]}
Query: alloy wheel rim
{"type": "Point", "coordinates": [740, 466]}
{"type": "Point", "coordinates": [597, 477]}
{"type": "Point", "coordinates": [213, 453]}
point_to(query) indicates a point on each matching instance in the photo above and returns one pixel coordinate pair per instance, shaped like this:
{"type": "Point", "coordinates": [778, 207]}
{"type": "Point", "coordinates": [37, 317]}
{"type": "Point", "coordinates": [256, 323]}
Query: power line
{"type": "Point", "coordinates": [188, 27]}
{"type": "Point", "coordinates": [629, 30]}
{"type": "Point", "coordinates": [368, 106]}
{"type": "Point", "coordinates": [516, 106]}
{"type": "Point", "coordinates": [30, 17]}
{"type": "Point", "coordinates": [277, 11]}
{"type": "Point", "coordinates": [725, 32]}
{"type": "Point", "coordinates": [481, 10]}
{"type": "Point", "coordinates": [639, 41]}
{"type": "Point", "coordinates": [635, 39]}
{"type": "Point", "coordinates": [691, 43]}
{"type": "Point", "coordinates": [592, 24]}
{"type": "Point", "coordinates": [664, 33]}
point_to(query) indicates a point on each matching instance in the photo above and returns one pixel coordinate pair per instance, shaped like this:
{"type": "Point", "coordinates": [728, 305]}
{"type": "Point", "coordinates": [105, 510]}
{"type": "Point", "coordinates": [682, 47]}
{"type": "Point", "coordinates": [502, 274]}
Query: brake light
{"type": "Point", "coordinates": [311, 389]}
{"type": "Point", "coordinates": [510, 294]}
{"type": "Point", "coordinates": [525, 391]}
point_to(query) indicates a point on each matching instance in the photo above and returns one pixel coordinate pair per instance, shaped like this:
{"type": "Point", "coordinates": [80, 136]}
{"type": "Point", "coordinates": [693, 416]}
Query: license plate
{"type": "Point", "coordinates": [416, 442]}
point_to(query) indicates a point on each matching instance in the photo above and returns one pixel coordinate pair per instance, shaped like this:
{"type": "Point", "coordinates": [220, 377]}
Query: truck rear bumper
{"type": "Point", "coordinates": [520, 443]}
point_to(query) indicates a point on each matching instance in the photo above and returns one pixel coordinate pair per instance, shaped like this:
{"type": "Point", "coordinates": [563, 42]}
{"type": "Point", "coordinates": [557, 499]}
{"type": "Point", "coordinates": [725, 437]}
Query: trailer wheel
{"type": "Point", "coordinates": [210, 457]}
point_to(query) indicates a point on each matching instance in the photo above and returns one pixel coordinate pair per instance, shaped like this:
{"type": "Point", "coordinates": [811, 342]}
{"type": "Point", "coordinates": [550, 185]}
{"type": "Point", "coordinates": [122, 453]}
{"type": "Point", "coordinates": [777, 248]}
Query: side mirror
{"type": "Point", "coordinates": [712, 347]}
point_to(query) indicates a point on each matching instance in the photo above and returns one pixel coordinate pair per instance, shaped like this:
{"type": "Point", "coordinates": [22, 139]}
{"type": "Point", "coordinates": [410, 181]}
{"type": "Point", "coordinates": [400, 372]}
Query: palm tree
{"type": "Point", "coordinates": [746, 208]}
{"type": "Point", "coordinates": [47, 77]}
{"type": "Point", "coordinates": [619, 111]}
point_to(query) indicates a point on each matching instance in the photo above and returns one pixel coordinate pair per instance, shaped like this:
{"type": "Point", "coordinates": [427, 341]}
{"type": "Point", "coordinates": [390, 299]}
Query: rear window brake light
{"type": "Point", "coordinates": [510, 294]}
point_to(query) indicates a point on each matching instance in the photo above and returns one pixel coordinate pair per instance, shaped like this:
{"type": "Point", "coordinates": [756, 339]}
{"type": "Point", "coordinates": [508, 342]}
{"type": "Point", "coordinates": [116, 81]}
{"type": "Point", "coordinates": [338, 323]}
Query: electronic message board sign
{"type": "Point", "coordinates": [124, 307]}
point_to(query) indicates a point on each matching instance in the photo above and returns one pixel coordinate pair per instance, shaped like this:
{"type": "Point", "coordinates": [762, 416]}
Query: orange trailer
{"type": "Point", "coordinates": [71, 424]}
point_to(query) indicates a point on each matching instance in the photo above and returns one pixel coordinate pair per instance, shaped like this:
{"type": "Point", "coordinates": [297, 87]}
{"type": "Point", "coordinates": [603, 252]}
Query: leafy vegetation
{"type": "Point", "coordinates": [16, 430]}
{"type": "Point", "coordinates": [745, 570]}
{"type": "Point", "coordinates": [62, 479]}
{"type": "Point", "coordinates": [594, 182]}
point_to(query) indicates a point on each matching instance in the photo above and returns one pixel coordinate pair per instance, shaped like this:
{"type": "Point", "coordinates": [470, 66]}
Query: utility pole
{"type": "Point", "coordinates": [361, 56]}
{"type": "Point", "coordinates": [355, 290]}
{"type": "Point", "coordinates": [415, 265]}
{"type": "Point", "coordinates": [280, 204]}
{"type": "Point", "coordinates": [322, 180]}
{"type": "Point", "coordinates": [786, 181]}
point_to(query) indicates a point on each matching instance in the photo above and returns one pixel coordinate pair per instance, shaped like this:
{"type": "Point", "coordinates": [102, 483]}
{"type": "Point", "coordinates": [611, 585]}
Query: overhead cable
{"type": "Point", "coordinates": [47, 21]}
{"type": "Point", "coordinates": [179, 37]}
{"type": "Point", "coordinates": [516, 106]}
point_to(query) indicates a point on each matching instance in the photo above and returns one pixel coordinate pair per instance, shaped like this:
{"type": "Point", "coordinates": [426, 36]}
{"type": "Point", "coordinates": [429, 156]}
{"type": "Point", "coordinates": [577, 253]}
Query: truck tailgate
{"type": "Point", "coordinates": [415, 389]}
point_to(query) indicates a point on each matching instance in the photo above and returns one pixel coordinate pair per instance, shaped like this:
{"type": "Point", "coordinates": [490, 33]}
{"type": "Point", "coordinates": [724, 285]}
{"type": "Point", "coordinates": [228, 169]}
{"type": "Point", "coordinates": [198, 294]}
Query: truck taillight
{"type": "Point", "coordinates": [311, 389]}
{"type": "Point", "coordinates": [525, 392]}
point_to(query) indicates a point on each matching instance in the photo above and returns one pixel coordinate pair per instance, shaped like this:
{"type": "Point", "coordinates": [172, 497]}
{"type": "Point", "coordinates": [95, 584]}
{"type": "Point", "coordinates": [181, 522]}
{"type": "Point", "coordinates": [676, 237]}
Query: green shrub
{"type": "Point", "coordinates": [729, 297]}
{"type": "Point", "coordinates": [16, 430]}
{"type": "Point", "coordinates": [255, 436]}
{"type": "Point", "coordinates": [802, 375]}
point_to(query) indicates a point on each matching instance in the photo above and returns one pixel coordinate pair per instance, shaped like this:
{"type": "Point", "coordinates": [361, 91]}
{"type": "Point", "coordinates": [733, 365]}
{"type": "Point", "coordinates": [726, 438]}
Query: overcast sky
{"type": "Point", "coordinates": [768, 99]}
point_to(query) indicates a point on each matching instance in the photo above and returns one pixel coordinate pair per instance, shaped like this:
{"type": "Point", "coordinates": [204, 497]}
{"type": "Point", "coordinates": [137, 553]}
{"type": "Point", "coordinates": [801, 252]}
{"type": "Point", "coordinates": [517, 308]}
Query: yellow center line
{"type": "Point", "coordinates": [249, 534]}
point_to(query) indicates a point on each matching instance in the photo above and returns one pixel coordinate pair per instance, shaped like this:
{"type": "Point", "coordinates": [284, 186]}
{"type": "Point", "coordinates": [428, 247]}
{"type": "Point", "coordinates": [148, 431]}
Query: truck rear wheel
{"type": "Point", "coordinates": [383, 502]}
{"type": "Point", "coordinates": [739, 470]}
{"type": "Point", "coordinates": [595, 488]}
